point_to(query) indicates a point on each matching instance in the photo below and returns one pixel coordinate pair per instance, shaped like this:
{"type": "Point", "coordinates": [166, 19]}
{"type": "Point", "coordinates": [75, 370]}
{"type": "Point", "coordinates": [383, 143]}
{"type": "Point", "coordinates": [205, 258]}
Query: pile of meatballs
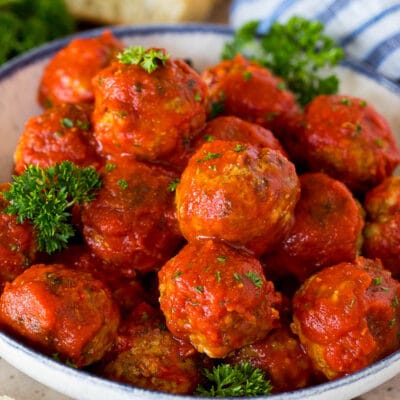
{"type": "Point", "coordinates": [231, 225]}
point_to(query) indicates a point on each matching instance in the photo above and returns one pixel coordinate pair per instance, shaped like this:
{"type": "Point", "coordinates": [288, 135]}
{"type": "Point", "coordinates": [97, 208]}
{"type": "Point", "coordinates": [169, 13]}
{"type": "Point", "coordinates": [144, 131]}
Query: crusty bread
{"type": "Point", "coordinates": [120, 12]}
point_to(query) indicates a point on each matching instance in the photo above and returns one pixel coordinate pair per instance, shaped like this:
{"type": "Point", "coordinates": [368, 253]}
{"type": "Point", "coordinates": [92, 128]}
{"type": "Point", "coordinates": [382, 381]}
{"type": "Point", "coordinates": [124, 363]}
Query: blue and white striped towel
{"type": "Point", "coordinates": [368, 30]}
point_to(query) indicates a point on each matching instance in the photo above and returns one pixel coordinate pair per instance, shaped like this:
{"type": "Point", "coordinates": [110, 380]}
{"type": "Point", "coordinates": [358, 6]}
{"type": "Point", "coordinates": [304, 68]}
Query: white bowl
{"type": "Point", "coordinates": [202, 44]}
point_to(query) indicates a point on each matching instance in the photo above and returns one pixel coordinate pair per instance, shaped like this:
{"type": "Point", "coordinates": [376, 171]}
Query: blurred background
{"type": "Point", "coordinates": [25, 24]}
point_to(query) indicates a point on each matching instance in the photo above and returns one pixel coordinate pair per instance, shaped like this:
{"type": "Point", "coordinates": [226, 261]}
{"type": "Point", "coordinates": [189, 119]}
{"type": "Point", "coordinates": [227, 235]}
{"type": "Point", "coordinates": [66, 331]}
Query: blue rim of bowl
{"type": "Point", "coordinates": [47, 50]}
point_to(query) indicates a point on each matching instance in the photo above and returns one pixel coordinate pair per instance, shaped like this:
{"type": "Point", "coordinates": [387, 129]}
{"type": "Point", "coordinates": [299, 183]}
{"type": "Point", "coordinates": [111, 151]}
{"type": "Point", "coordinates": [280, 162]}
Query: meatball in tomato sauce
{"type": "Point", "coordinates": [61, 133]}
{"type": "Point", "coordinates": [347, 316]}
{"type": "Point", "coordinates": [281, 356]}
{"type": "Point", "coordinates": [62, 312]}
{"type": "Point", "coordinates": [217, 297]}
{"type": "Point", "coordinates": [348, 139]}
{"type": "Point", "coordinates": [148, 356]}
{"type": "Point", "coordinates": [382, 229]}
{"type": "Point", "coordinates": [239, 193]}
{"type": "Point", "coordinates": [327, 229]}
{"type": "Point", "coordinates": [145, 114]}
{"type": "Point", "coordinates": [234, 129]}
{"type": "Point", "coordinates": [247, 90]}
{"type": "Point", "coordinates": [67, 78]}
{"type": "Point", "coordinates": [227, 128]}
{"type": "Point", "coordinates": [132, 222]}
{"type": "Point", "coordinates": [18, 246]}
{"type": "Point", "coordinates": [126, 292]}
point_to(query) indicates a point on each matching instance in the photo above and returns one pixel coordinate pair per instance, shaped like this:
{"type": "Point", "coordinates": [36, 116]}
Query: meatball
{"type": "Point", "coordinates": [61, 133]}
{"type": "Point", "coordinates": [235, 129]}
{"type": "Point", "coordinates": [349, 140]}
{"type": "Point", "coordinates": [228, 128]}
{"type": "Point", "coordinates": [144, 114]}
{"type": "Point", "coordinates": [67, 78]}
{"type": "Point", "coordinates": [347, 316]}
{"type": "Point", "coordinates": [18, 246]}
{"type": "Point", "coordinates": [127, 293]}
{"type": "Point", "coordinates": [247, 90]}
{"type": "Point", "coordinates": [238, 193]}
{"type": "Point", "coordinates": [61, 311]}
{"type": "Point", "coordinates": [327, 229]}
{"type": "Point", "coordinates": [148, 356]}
{"type": "Point", "coordinates": [132, 222]}
{"type": "Point", "coordinates": [281, 357]}
{"type": "Point", "coordinates": [382, 229]}
{"type": "Point", "coordinates": [217, 297]}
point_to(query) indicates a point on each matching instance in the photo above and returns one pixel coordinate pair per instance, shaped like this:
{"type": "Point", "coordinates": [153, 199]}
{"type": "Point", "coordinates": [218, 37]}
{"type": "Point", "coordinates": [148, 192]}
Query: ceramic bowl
{"type": "Point", "coordinates": [201, 44]}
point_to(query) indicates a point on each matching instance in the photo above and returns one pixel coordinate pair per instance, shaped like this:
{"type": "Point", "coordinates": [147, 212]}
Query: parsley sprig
{"type": "Point", "coordinates": [227, 380]}
{"type": "Point", "coordinates": [148, 59]}
{"type": "Point", "coordinates": [297, 51]}
{"type": "Point", "coordinates": [45, 197]}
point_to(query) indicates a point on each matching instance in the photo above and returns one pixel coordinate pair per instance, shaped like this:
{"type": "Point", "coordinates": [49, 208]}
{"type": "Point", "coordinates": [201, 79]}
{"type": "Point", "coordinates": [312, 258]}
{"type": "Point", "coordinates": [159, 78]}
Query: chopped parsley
{"type": "Point", "coordinates": [209, 156]}
{"type": "Point", "coordinates": [239, 147]}
{"type": "Point", "coordinates": [173, 184]}
{"type": "Point", "coordinates": [255, 278]}
{"type": "Point", "coordinates": [67, 122]}
{"type": "Point", "coordinates": [123, 184]}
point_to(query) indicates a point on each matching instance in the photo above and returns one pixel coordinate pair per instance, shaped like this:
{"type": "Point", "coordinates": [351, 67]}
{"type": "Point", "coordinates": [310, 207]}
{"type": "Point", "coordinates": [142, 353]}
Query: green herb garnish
{"type": "Point", "coordinates": [67, 122]}
{"type": "Point", "coordinates": [297, 51]}
{"type": "Point", "coordinates": [25, 24]}
{"type": "Point", "coordinates": [148, 59]}
{"type": "Point", "coordinates": [239, 147]}
{"type": "Point", "coordinates": [45, 197]}
{"type": "Point", "coordinates": [255, 278]}
{"type": "Point", "coordinates": [209, 156]}
{"type": "Point", "coordinates": [173, 184]}
{"type": "Point", "coordinates": [123, 184]}
{"type": "Point", "coordinates": [227, 380]}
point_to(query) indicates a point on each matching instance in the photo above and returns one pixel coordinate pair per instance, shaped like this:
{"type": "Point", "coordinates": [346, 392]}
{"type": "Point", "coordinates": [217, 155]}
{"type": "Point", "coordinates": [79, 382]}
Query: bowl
{"type": "Point", "coordinates": [201, 44]}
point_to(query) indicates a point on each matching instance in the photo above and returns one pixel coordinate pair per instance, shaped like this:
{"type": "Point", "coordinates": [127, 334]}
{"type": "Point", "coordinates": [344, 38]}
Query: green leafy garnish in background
{"type": "Point", "coordinates": [297, 51]}
{"type": "Point", "coordinates": [45, 196]}
{"type": "Point", "coordinates": [25, 24]}
{"type": "Point", "coordinates": [227, 380]}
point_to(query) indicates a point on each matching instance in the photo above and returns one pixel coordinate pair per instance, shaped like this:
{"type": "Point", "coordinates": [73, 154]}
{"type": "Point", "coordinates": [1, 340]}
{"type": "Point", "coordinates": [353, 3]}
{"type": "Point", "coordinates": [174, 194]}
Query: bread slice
{"type": "Point", "coordinates": [119, 12]}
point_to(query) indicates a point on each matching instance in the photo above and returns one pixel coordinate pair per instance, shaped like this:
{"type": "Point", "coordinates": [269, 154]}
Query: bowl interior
{"type": "Point", "coordinates": [201, 44]}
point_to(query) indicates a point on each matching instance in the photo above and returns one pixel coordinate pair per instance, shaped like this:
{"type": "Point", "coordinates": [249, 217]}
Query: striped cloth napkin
{"type": "Point", "coordinates": [368, 30]}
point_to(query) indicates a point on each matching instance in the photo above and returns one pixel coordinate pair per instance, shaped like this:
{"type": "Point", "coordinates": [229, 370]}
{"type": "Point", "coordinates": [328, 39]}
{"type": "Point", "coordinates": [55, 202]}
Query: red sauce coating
{"type": "Point", "coordinates": [348, 316]}
{"type": "Point", "coordinates": [281, 357]}
{"type": "Point", "coordinates": [128, 293]}
{"type": "Point", "coordinates": [327, 229]}
{"type": "Point", "coordinates": [67, 78]}
{"type": "Point", "coordinates": [227, 128]}
{"type": "Point", "coordinates": [18, 247]}
{"type": "Point", "coordinates": [148, 356]}
{"type": "Point", "coordinates": [247, 90]}
{"type": "Point", "coordinates": [64, 312]}
{"type": "Point", "coordinates": [238, 204]}
{"type": "Point", "coordinates": [132, 223]}
{"type": "Point", "coordinates": [382, 229]}
{"type": "Point", "coordinates": [238, 193]}
{"type": "Point", "coordinates": [147, 115]}
{"type": "Point", "coordinates": [348, 139]}
{"type": "Point", "coordinates": [61, 133]}
{"type": "Point", "coordinates": [217, 298]}
{"type": "Point", "coordinates": [235, 129]}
